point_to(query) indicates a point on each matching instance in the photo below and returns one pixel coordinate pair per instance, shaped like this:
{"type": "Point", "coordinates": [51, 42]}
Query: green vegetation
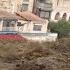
{"type": "Point", "coordinates": [61, 27]}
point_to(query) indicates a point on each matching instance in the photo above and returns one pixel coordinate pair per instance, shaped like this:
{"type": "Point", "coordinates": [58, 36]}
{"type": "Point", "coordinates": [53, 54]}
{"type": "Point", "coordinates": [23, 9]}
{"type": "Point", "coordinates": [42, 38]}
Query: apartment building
{"type": "Point", "coordinates": [52, 9]}
{"type": "Point", "coordinates": [47, 9]}
{"type": "Point", "coordinates": [61, 10]}
{"type": "Point", "coordinates": [27, 5]}
{"type": "Point", "coordinates": [43, 8]}
{"type": "Point", "coordinates": [10, 5]}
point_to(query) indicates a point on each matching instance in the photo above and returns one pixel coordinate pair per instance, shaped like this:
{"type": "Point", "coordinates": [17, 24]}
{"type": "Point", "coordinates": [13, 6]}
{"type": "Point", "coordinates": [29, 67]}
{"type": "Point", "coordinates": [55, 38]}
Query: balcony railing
{"type": "Point", "coordinates": [44, 6]}
{"type": "Point", "coordinates": [8, 29]}
{"type": "Point", "coordinates": [25, 0]}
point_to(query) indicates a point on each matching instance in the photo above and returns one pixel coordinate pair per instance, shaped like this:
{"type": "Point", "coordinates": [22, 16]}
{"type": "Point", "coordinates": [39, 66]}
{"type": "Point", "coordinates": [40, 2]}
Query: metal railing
{"type": "Point", "coordinates": [45, 6]}
{"type": "Point", "coordinates": [25, 0]}
{"type": "Point", "coordinates": [8, 29]}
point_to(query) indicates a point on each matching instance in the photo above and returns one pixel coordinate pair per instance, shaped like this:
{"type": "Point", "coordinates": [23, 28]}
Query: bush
{"type": "Point", "coordinates": [61, 27]}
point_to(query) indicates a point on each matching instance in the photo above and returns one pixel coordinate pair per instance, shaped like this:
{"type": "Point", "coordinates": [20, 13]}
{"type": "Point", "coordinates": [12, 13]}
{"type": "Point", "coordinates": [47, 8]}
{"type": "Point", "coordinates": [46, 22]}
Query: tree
{"type": "Point", "coordinates": [61, 27]}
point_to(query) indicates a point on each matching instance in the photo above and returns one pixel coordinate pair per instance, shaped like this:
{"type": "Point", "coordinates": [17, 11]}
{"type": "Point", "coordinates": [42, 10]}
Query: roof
{"type": "Point", "coordinates": [5, 14]}
{"type": "Point", "coordinates": [29, 16]}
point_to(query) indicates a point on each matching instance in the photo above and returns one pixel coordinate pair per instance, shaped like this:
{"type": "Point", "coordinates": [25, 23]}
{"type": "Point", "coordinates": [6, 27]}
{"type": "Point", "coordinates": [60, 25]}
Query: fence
{"type": "Point", "coordinates": [40, 36]}
{"type": "Point", "coordinates": [8, 28]}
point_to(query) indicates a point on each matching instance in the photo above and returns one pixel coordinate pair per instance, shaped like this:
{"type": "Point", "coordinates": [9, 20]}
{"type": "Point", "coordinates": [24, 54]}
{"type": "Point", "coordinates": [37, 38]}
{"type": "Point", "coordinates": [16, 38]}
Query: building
{"type": "Point", "coordinates": [16, 5]}
{"type": "Point", "coordinates": [8, 22]}
{"type": "Point", "coordinates": [53, 9]}
{"type": "Point", "coordinates": [34, 28]}
{"type": "Point", "coordinates": [27, 5]}
{"type": "Point", "coordinates": [31, 23]}
{"type": "Point", "coordinates": [25, 24]}
{"type": "Point", "coordinates": [48, 9]}
{"type": "Point", "coordinates": [10, 5]}
{"type": "Point", "coordinates": [61, 10]}
{"type": "Point", "coordinates": [41, 8]}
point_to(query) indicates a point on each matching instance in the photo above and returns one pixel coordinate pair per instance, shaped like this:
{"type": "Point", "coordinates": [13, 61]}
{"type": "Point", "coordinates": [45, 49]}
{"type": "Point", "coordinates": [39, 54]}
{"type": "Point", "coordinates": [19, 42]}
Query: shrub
{"type": "Point", "coordinates": [61, 27]}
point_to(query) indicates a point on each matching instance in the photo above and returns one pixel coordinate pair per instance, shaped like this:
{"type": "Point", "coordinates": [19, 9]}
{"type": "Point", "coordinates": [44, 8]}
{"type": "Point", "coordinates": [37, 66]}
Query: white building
{"type": "Point", "coordinates": [8, 22]}
{"type": "Point", "coordinates": [34, 28]}
{"type": "Point", "coordinates": [30, 23]}
{"type": "Point", "coordinates": [26, 24]}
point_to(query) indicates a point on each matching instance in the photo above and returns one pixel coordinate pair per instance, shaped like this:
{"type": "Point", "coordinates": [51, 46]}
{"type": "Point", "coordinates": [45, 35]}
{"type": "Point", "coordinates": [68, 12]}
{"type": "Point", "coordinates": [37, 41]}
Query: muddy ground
{"type": "Point", "coordinates": [28, 55]}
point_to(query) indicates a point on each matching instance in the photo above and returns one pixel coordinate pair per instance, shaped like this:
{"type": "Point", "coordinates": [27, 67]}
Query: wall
{"type": "Point", "coordinates": [9, 5]}
{"type": "Point", "coordinates": [30, 8]}
{"type": "Point", "coordinates": [30, 4]}
{"type": "Point", "coordinates": [28, 26]}
{"type": "Point", "coordinates": [47, 37]}
{"type": "Point", "coordinates": [1, 23]}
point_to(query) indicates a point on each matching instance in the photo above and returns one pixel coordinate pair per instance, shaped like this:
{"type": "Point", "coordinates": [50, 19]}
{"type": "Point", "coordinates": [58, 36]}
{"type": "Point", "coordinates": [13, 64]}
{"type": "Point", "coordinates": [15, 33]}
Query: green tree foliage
{"type": "Point", "coordinates": [61, 27]}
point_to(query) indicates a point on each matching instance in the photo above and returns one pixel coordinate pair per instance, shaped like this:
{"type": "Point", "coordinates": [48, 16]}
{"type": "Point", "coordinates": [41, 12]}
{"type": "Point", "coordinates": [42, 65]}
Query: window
{"type": "Point", "coordinates": [42, 1]}
{"type": "Point", "coordinates": [64, 16]}
{"type": "Point", "coordinates": [66, 1]}
{"type": "Point", "coordinates": [45, 1]}
{"type": "Point", "coordinates": [6, 23]}
{"type": "Point", "coordinates": [57, 16]}
{"type": "Point", "coordinates": [24, 7]}
{"type": "Point", "coordinates": [19, 24]}
{"type": "Point", "coordinates": [44, 14]}
{"type": "Point", "coordinates": [25, 0]}
{"type": "Point", "coordinates": [37, 27]}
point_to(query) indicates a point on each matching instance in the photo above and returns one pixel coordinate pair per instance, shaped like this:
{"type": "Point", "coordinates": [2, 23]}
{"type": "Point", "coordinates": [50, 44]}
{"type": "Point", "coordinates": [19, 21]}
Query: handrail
{"type": "Point", "coordinates": [8, 28]}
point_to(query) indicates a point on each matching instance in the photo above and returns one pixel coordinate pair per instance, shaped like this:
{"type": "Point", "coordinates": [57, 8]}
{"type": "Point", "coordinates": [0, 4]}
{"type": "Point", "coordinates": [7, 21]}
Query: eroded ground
{"type": "Point", "coordinates": [28, 55]}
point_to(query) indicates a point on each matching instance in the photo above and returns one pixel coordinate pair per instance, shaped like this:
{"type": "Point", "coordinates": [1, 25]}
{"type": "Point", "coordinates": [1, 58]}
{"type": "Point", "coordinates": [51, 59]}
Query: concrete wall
{"type": "Point", "coordinates": [47, 37]}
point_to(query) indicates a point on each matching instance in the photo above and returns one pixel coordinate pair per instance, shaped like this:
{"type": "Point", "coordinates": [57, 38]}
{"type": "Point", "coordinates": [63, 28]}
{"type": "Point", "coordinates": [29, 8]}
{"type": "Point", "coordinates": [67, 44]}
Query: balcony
{"type": "Point", "coordinates": [45, 6]}
{"type": "Point", "coordinates": [8, 30]}
{"type": "Point", "coordinates": [25, 0]}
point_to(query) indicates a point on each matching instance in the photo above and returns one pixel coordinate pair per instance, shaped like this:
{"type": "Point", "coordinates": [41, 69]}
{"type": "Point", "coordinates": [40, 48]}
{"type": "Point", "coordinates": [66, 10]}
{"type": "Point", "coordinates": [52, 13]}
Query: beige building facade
{"type": "Point", "coordinates": [49, 9]}
{"type": "Point", "coordinates": [27, 5]}
{"type": "Point", "coordinates": [16, 5]}
{"type": "Point", "coordinates": [53, 9]}
{"type": "Point", "coordinates": [9, 5]}
{"type": "Point", "coordinates": [30, 23]}
{"type": "Point", "coordinates": [61, 10]}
